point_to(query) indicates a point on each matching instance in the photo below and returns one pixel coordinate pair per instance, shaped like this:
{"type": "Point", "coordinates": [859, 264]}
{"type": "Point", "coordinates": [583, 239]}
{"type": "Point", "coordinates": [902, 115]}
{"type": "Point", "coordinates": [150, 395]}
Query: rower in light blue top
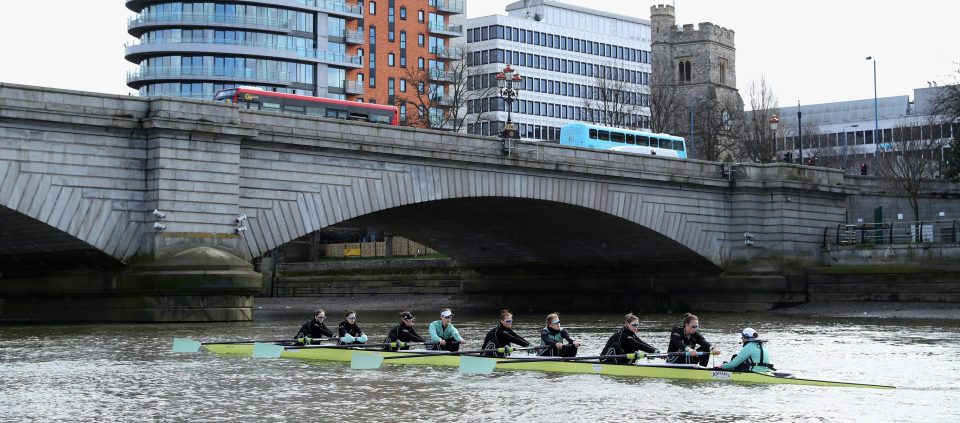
{"type": "Point", "coordinates": [752, 357]}
{"type": "Point", "coordinates": [443, 332]}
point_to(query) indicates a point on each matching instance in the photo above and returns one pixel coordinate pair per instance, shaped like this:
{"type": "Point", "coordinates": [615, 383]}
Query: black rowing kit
{"type": "Point", "coordinates": [402, 333]}
{"type": "Point", "coordinates": [500, 337]}
{"type": "Point", "coordinates": [622, 342]}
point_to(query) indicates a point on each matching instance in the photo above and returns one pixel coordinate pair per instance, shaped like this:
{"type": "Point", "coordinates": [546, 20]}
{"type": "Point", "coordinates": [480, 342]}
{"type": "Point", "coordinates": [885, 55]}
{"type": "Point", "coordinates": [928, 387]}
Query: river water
{"type": "Point", "coordinates": [125, 372]}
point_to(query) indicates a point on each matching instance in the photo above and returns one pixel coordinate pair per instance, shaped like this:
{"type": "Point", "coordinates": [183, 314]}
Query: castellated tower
{"type": "Point", "coordinates": [694, 63]}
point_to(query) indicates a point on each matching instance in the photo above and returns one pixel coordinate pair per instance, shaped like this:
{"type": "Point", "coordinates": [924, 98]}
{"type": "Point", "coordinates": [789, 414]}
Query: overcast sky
{"type": "Point", "coordinates": [811, 50]}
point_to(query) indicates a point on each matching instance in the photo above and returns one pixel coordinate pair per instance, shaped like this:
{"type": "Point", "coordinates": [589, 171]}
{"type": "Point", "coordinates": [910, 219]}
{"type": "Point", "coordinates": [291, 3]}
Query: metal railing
{"type": "Point", "coordinates": [353, 87]}
{"type": "Point", "coordinates": [448, 6]}
{"type": "Point", "coordinates": [301, 52]}
{"type": "Point", "coordinates": [891, 233]}
{"type": "Point", "coordinates": [440, 28]}
{"type": "Point", "coordinates": [242, 74]}
{"type": "Point", "coordinates": [445, 52]}
{"type": "Point", "coordinates": [207, 18]}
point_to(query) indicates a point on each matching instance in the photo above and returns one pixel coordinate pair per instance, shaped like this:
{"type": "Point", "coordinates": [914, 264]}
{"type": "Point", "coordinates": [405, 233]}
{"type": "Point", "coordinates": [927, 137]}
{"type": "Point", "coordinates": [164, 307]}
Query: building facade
{"type": "Point", "coordinates": [850, 134]}
{"type": "Point", "coordinates": [407, 47]}
{"type": "Point", "coordinates": [324, 48]}
{"type": "Point", "coordinates": [577, 64]}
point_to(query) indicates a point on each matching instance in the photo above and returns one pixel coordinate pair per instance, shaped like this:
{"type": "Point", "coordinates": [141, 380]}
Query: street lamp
{"type": "Point", "coordinates": [845, 144]}
{"type": "Point", "coordinates": [876, 113]}
{"type": "Point", "coordinates": [693, 100]}
{"type": "Point", "coordinates": [508, 82]}
{"type": "Point", "coordinates": [774, 122]}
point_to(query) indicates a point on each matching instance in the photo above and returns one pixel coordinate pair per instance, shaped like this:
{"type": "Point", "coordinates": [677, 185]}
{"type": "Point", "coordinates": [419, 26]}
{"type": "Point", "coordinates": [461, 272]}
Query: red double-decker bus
{"type": "Point", "coordinates": [252, 98]}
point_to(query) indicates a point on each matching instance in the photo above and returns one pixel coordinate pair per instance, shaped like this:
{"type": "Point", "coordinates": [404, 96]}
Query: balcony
{"type": "Point", "coordinates": [452, 7]}
{"type": "Point", "coordinates": [439, 28]}
{"type": "Point", "coordinates": [440, 75]}
{"type": "Point", "coordinates": [148, 47]}
{"type": "Point", "coordinates": [341, 8]}
{"type": "Point", "coordinates": [353, 37]}
{"type": "Point", "coordinates": [448, 53]}
{"type": "Point", "coordinates": [353, 87]}
{"type": "Point", "coordinates": [178, 73]}
{"type": "Point", "coordinates": [442, 100]}
{"type": "Point", "coordinates": [137, 25]}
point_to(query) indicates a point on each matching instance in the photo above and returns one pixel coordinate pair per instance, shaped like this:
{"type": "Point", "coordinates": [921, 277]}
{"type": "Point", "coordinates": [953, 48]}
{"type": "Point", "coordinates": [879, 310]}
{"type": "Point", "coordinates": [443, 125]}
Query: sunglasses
{"type": "Point", "coordinates": [352, 318]}
{"type": "Point", "coordinates": [636, 325]}
{"type": "Point", "coordinates": [508, 321]}
{"type": "Point", "coordinates": [555, 322]}
{"type": "Point", "coordinates": [694, 326]}
{"type": "Point", "coordinates": [321, 317]}
{"type": "Point", "coordinates": [447, 317]}
{"type": "Point", "coordinates": [410, 319]}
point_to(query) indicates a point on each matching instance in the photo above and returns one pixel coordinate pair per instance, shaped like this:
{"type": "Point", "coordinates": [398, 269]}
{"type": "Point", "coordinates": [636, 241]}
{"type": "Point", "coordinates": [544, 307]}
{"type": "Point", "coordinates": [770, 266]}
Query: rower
{"type": "Point", "coordinates": [503, 335]}
{"type": "Point", "coordinates": [403, 332]}
{"type": "Point", "coordinates": [313, 328]}
{"type": "Point", "coordinates": [350, 332]}
{"type": "Point", "coordinates": [444, 334]}
{"type": "Point", "coordinates": [626, 341]}
{"type": "Point", "coordinates": [686, 338]}
{"type": "Point", "coordinates": [553, 335]}
{"type": "Point", "coordinates": [753, 357]}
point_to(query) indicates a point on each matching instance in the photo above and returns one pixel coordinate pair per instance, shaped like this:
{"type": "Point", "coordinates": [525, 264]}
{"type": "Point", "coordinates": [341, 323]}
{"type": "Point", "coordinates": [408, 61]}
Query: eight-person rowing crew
{"type": "Point", "coordinates": [687, 345]}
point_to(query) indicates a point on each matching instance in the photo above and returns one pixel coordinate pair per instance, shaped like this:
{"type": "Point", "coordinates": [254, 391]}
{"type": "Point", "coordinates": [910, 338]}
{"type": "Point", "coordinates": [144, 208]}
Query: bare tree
{"type": "Point", "coordinates": [757, 142]}
{"type": "Point", "coordinates": [946, 108]}
{"type": "Point", "coordinates": [912, 159]}
{"type": "Point", "coordinates": [612, 100]}
{"type": "Point", "coordinates": [717, 121]}
{"type": "Point", "coordinates": [667, 103]}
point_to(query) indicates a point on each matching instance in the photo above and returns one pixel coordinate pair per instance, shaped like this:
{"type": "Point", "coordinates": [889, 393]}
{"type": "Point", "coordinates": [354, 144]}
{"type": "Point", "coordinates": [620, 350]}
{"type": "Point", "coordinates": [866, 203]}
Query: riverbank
{"type": "Point", "coordinates": [882, 310]}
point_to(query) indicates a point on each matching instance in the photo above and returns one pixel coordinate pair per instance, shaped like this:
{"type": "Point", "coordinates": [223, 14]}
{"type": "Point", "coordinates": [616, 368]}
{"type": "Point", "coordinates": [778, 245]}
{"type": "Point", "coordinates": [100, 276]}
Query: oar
{"type": "Point", "coordinates": [187, 345]}
{"type": "Point", "coordinates": [482, 365]}
{"type": "Point", "coordinates": [365, 361]}
{"type": "Point", "coordinates": [274, 351]}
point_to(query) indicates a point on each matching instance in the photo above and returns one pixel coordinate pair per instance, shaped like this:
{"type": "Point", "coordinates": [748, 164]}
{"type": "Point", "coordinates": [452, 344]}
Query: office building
{"type": "Point", "coordinates": [577, 64]}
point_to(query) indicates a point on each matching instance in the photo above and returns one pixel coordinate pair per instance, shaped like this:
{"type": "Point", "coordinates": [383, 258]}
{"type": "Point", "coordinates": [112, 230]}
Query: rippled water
{"type": "Point", "coordinates": [128, 373]}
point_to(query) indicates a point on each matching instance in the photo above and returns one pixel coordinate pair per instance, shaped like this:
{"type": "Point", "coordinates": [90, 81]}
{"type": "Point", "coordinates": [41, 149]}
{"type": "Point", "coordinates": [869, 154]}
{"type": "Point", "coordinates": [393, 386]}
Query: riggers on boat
{"type": "Point", "coordinates": [545, 364]}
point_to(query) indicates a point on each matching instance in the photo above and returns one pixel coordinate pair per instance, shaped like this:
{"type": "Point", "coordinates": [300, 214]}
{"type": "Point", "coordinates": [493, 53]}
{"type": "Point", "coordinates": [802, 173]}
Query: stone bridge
{"type": "Point", "coordinates": [82, 173]}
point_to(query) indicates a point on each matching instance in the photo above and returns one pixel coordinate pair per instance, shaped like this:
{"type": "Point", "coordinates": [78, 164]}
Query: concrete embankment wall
{"type": "Point", "coordinates": [884, 283]}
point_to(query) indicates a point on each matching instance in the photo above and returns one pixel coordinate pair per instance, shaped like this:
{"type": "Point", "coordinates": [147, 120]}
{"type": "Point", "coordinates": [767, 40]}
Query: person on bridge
{"type": "Point", "coordinates": [350, 332]}
{"type": "Point", "coordinates": [444, 334]}
{"type": "Point", "coordinates": [403, 332]}
{"type": "Point", "coordinates": [313, 329]}
{"type": "Point", "coordinates": [503, 335]}
{"type": "Point", "coordinates": [753, 357]}
{"type": "Point", "coordinates": [626, 341]}
{"type": "Point", "coordinates": [552, 336]}
{"type": "Point", "coordinates": [687, 338]}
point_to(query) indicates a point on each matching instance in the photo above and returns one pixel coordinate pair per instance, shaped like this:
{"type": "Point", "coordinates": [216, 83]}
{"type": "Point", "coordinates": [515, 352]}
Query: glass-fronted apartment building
{"type": "Point", "coordinates": [193, 48]}
{"type": "Point", "coordinates": [565, 54]}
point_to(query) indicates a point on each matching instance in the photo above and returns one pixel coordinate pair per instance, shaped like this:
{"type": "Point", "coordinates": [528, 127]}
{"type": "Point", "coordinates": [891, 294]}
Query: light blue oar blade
{"type": "Point", "coordinates": [363, 361]}
{"type": "Point", "coordinates": [264, 350]}
{"type": "Point", "coordinates": [476, 365]}
{"type": "Point", "coordinates": [185, 345]}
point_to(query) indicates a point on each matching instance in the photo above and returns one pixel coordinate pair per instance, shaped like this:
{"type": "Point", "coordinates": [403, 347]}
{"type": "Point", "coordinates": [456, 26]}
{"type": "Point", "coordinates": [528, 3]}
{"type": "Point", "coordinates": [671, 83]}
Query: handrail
{"type": "Point", "coordinates": [895, 232]}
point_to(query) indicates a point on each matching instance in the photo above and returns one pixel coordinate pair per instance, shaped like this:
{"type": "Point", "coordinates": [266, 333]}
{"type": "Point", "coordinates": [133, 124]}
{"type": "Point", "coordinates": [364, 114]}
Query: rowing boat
{"type": "Point", "coordinates": [643, 370]}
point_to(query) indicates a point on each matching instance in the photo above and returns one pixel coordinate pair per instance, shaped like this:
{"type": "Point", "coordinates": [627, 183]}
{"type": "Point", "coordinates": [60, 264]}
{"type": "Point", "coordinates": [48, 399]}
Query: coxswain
{"type": "Point", "coordinates": [403, 332]}
{"type": "Point", "coordinates": [686, 338]}
{"type": "Point", "coordinates": [626, 341]}
{"type": "Point", "coordinates": [444, 335]}
{"type": "Point", "coordinates": [313, 328]}
{"type": "Point", "coordinates": [552, 337]}
{"type": "Point", "coordinates": [503, 335]}
{"type": "Point", "coordinates": [753, 357]}
{"type": "Point", "coordinates": [349, 331]}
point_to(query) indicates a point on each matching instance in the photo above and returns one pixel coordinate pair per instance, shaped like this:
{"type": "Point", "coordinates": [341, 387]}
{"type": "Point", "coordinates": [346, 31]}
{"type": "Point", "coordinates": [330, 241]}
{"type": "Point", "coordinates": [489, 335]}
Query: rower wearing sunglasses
{"type": "Point", "coordinates": [687, 338]}
{"type": "Point", "coordinates": [553, 335]}
{"type": "Point", "coordinates": [503, 335]}
{"type": "Point", "coordinates": [626, 341]}
{"type": "Point", "coordinates": [350, 331]}
{"type": "Point", "coordinates": [313, 328]}
{"type": "Point", "coordinates": [444, 334]}
{"type": "Point", "coordinates": [403, 332]}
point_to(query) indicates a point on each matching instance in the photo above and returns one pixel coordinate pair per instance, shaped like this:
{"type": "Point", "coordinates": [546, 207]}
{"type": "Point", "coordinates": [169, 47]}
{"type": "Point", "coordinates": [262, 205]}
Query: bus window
{"type": "Point", "coordinates": [593, 134]}
{"type": "Point", "coordinates": [294, 109]}
{"type": "Point", "coordinates": [643, 140]}
{"type": "Point", "coordinates": [270, 106]}
{"type": "Point", "coordinates": [631, 139]}
{"type": "Point", "coordinates": [336, 114]}
{"type": "Point", "coordinates": [678, 145]}
{"type": "Point", "coordinates": [617, 137]}
{"type": "Point", "coordinates": [226, 95]}
{"type": "Point", "coordinates": [604, 135]}
{"type": "Point", "coordinates": [379, 118]}
{"type": "Point", "coordinates": [314, 111]}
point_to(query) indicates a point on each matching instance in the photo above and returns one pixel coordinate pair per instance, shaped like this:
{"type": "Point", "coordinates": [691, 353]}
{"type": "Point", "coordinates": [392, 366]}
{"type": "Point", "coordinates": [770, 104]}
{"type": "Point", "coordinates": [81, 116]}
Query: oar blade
{"type": "Point", "coordinates": [476, 365]}
{"type": "Point", "coordinates": [365, 361]}
{"type": "Point", "coordinates": [264, 350]}
{"type": "Point", "coordinates": [185, 345]}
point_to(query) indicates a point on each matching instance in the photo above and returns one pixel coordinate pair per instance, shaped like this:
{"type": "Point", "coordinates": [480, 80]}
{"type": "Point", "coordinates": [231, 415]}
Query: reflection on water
{"type": "Point", "coordinates": [127, 372]}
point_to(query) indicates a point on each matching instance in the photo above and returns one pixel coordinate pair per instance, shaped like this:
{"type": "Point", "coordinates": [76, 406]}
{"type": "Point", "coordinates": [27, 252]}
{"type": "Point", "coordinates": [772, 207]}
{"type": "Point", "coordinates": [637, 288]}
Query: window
{"type": "Point", "coordinates": [420, 40]}
{"type": "Point", "coordinates": [723, 71]}
{"type": "Point", "coordinates": [403, 39]}
{"type": "Point", "coordinates": [390, 15]}
{"type": "Point", "coordinates": [420, 16]}
{"type": "Point", "coordinates": [391, 86]}
{"type": "Point", "coordinates": [373, 8]}
{"type": "Point", "coordinates": [390, 59]}
{"type": "Point", "coordinates": [403, 13]}
{"type": "Point", "coordinates": [403, 85]}
{"type": "Point", "coordinates": [420, 62]}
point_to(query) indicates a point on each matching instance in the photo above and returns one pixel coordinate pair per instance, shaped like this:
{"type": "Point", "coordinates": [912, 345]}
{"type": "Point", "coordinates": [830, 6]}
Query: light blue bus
{"type": "Point", "coordinates": [618, 139]}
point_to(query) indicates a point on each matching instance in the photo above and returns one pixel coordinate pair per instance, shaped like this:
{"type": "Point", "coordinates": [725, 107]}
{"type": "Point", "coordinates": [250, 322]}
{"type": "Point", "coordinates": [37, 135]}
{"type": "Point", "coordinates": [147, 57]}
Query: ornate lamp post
{"type": "Point", "coordinates": [774, 121]}
{"type": "Point", "coordinates": [508, 82]}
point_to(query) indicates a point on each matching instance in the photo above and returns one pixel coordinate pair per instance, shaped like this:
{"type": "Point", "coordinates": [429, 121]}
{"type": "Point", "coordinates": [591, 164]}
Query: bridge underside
{"type": "Point", "coordinates": [28, 245]}
{"type": "Point", "coordinates": [494, 235]}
